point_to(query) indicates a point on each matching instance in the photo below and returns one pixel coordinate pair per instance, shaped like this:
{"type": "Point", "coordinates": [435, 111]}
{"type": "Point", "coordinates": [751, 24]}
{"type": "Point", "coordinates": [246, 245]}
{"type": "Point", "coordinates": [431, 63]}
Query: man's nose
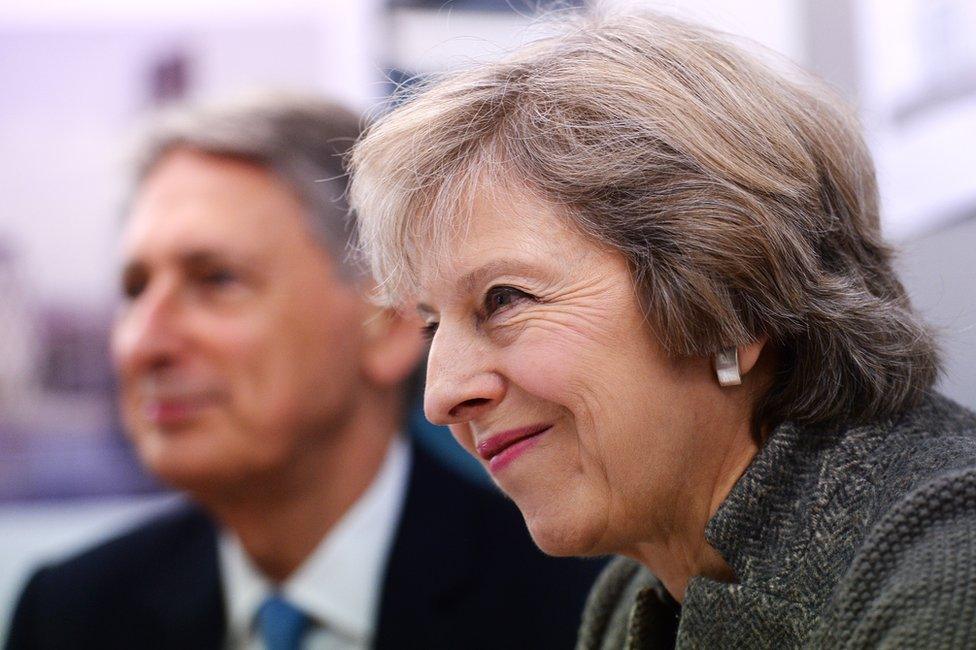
{"type": "Point", "coordinates": [462, 383]}
{"type": "Point", "coordinates": [147, 332]}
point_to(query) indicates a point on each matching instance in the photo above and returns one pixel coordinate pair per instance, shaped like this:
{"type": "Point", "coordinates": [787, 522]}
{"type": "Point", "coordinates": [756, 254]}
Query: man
{"type": "Point", "coordinates": [256, 378]}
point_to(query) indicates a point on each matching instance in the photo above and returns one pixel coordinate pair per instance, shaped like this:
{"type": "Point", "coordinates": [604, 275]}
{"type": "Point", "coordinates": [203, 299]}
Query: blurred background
{"type": "Point", "coordinates": [78, 79]}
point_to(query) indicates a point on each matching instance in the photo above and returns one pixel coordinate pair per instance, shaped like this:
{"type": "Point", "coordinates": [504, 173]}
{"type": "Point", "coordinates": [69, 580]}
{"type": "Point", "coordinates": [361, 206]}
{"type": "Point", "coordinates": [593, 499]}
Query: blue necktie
{"type": "Point", "coordinates": [282, 624]}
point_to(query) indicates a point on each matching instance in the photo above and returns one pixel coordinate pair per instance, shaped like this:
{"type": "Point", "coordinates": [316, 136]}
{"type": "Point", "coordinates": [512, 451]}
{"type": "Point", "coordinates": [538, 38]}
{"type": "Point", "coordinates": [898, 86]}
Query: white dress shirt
{"type": "Point", "coordinates": [339, 584]}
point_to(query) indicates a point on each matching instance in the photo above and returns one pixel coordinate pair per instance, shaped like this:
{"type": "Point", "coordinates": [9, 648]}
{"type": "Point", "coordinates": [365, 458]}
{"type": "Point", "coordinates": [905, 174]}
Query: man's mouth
{"type": "Point", "coordinates": [172, 402]}
{"type": "Point", "coordinates": [172, 411]}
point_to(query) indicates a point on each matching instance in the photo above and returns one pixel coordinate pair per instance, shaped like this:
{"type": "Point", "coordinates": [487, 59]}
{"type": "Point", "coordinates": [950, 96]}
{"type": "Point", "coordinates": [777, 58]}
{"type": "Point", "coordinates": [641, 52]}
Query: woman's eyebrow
{"type": "Point", "coordinates": [503, 266]}
{"type": "Point", "coordinates": [425, 310]}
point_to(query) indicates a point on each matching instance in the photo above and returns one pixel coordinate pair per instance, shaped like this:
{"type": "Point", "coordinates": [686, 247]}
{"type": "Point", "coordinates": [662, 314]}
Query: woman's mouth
{"type": "Point", "coordinates": [502, 448]}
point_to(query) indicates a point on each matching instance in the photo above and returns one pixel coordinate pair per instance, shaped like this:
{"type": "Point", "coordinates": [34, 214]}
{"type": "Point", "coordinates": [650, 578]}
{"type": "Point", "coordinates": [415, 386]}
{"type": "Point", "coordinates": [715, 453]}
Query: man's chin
{"type": "Point", "coordinates": [192, 477]}
{"type": "Point", "coordinates": [191, 463]}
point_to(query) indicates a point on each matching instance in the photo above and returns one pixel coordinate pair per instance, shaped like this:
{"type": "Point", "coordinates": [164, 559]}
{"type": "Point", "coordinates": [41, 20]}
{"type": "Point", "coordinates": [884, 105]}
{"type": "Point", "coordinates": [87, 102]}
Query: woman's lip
{"type": "Point", "coordinates": [494, 445]}
{"type": "Point", "coordinates": [502, 459]}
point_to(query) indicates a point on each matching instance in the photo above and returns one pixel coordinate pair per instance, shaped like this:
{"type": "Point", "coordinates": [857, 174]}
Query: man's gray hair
{"type": "Point", "coordinates": [302, 140]}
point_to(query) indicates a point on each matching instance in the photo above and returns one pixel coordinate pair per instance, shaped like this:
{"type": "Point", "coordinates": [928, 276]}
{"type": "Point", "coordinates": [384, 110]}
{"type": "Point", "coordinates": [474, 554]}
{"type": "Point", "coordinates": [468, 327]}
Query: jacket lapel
{"type": "Point", "coordinates": [185, 608]}
{"type": "Point", "coordinates": [429, 568]}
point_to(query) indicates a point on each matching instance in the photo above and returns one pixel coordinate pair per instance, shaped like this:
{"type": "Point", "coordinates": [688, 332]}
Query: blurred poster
{"type": "Point", "coordinates": [918, 96]}
{"type": "Point", "coordinates": [76, 92]}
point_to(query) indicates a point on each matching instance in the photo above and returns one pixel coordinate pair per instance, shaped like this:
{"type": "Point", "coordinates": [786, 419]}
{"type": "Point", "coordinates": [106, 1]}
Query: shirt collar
{"type": "Point", "coordinates": [339, 584]}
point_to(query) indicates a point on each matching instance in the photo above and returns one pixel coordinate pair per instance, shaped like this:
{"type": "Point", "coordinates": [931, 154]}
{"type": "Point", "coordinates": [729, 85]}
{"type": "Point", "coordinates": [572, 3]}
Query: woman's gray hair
{"type": "Point", "coordinates": [302, 140]}
{"type": "Point", "coordinates": [743, 198]}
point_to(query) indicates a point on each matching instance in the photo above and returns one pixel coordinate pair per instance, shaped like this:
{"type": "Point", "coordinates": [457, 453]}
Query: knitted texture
{"type": "Point", "coordinates": [859, 537]}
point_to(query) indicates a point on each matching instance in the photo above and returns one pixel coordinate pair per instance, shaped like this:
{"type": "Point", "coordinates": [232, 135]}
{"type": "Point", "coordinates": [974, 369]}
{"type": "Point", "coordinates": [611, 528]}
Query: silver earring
{"type": "Point", "coordinates": [727, 367]}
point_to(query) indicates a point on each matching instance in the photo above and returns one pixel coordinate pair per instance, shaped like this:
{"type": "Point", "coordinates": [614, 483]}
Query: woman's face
{"type": "Point", "coordinates": [545, 369]}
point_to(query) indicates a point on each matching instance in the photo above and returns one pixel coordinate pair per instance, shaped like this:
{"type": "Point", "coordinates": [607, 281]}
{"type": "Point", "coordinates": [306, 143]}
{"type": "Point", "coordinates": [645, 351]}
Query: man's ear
{"type": "Point", "coordinates": [393, 346]}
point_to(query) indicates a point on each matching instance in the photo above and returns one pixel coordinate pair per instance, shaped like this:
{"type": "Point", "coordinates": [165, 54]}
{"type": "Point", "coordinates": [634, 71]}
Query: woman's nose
{"type": "Point", "coordinates": [461, 383]}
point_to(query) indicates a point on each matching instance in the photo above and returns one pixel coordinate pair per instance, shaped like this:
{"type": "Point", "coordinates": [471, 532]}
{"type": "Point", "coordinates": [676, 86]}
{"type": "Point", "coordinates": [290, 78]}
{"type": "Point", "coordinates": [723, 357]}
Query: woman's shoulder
{"type": "Point", "coordinates": [911, 581]}
{"type": "Point", "coordinates": [934, 440]}
{"type": "Point", "coordinates": [938, 418]}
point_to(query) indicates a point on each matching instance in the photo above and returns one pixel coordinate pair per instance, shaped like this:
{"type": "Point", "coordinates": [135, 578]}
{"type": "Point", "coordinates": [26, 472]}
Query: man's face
{"type": "Point", "coordinates": [238, 346]}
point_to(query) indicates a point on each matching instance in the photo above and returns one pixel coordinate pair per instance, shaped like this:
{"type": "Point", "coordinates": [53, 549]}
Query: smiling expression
{"type": "Point", "coordinates": [543, 366]}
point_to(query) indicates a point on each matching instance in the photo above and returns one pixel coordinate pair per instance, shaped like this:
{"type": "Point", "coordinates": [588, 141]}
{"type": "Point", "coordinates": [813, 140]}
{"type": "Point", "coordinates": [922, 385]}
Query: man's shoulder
{"type": "Point", "coordinates": [116, 573]}
{"type": "Point", "coordinates": [470, 511]}
{"type": "Point", "coordinates": [463, 556]}
{"type": "Point", "coordinates": [481, 513]}
{"type": "Point", "coordinates": [139, 550]}
{"type": "Point", "coordinates": [122, 591]}
{"type": "Point", "coordinates": [507, 554]}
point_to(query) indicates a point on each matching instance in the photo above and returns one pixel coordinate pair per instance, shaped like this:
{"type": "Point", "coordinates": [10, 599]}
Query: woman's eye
{"type": "Point", "coordinates": [429, 330]}
{"type": "Point", "coordinates": [498, 298]}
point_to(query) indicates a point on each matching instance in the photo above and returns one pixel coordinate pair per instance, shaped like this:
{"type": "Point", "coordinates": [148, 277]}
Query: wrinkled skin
{"type": "Point", "coordinates": [537, 324]}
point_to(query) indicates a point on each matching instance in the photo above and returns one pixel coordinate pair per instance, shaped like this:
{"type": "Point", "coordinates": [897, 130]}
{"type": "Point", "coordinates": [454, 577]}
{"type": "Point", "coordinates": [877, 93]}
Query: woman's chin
{"type": "Point", "coordinates": [564, 534]}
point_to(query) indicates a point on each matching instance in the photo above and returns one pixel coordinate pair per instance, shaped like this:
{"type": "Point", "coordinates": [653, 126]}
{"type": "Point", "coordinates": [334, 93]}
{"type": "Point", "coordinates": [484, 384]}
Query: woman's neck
{"type": "Point", "coordinates": [684, 552]}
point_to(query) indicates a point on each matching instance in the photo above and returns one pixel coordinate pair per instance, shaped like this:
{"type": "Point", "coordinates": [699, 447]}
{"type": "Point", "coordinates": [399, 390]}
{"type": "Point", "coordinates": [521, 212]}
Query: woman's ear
{"type": "Point", "coordinates": [393, 346]}
{"type": "Point", "coordinates": [732, 363]}
{"type": "Point", "coordinates": [749, 354]}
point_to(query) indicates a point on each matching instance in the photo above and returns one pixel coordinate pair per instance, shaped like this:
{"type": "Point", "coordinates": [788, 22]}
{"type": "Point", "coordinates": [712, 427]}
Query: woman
{"type": "Point", "coordinates": [662, 315]}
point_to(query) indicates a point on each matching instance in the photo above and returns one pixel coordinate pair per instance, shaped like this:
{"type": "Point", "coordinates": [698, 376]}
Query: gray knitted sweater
{"type": "Point", "coordinates": [856, 538]}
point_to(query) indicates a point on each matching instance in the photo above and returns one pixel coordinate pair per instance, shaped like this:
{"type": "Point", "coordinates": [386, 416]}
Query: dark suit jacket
{"type": "Point", "coordinates": [462, 574]}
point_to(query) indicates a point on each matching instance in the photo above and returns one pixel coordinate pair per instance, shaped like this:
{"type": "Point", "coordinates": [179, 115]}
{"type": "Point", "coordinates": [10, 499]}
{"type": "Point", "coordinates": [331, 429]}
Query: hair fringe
{"type": "Point", "coordinates": [742, 196]}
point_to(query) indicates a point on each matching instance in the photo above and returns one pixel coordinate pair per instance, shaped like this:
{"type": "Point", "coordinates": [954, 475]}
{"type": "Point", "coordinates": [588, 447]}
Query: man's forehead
{"type": "Point", "coordinates": [185, 233]}
{"type": "Point", "coordinates": [175, 218]}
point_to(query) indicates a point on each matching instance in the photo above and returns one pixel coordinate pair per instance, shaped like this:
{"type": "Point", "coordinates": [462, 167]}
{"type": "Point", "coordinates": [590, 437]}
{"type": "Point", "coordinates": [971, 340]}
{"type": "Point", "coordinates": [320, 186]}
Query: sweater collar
{"type": "Point", "coordinates": [766, 523]}
{"type": "Point", "coordinates": [751, 516]}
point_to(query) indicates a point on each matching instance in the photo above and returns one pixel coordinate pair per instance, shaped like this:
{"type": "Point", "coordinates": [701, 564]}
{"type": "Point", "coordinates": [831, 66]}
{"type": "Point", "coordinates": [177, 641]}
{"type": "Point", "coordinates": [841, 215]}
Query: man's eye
{"type": "Point", "coordinates": [133, 284]}
{"type": "Point", "coordinates": [501, 297]}
{"type": "Point", "coordinates": [218, 277]}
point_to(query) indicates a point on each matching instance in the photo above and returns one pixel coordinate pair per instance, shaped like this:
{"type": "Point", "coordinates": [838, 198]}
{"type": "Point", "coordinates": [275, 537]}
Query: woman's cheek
{"type": "Point", "coordinates": [559, 370]}
{"type": "Point", "coordinates": [462, 433]}
{"type": "Point", "coordinates": [540, 367]}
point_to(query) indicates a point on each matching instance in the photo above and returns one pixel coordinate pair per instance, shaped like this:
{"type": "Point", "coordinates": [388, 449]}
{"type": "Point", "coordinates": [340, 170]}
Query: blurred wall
{"type": "Point", "coordinates": [937, 269]}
